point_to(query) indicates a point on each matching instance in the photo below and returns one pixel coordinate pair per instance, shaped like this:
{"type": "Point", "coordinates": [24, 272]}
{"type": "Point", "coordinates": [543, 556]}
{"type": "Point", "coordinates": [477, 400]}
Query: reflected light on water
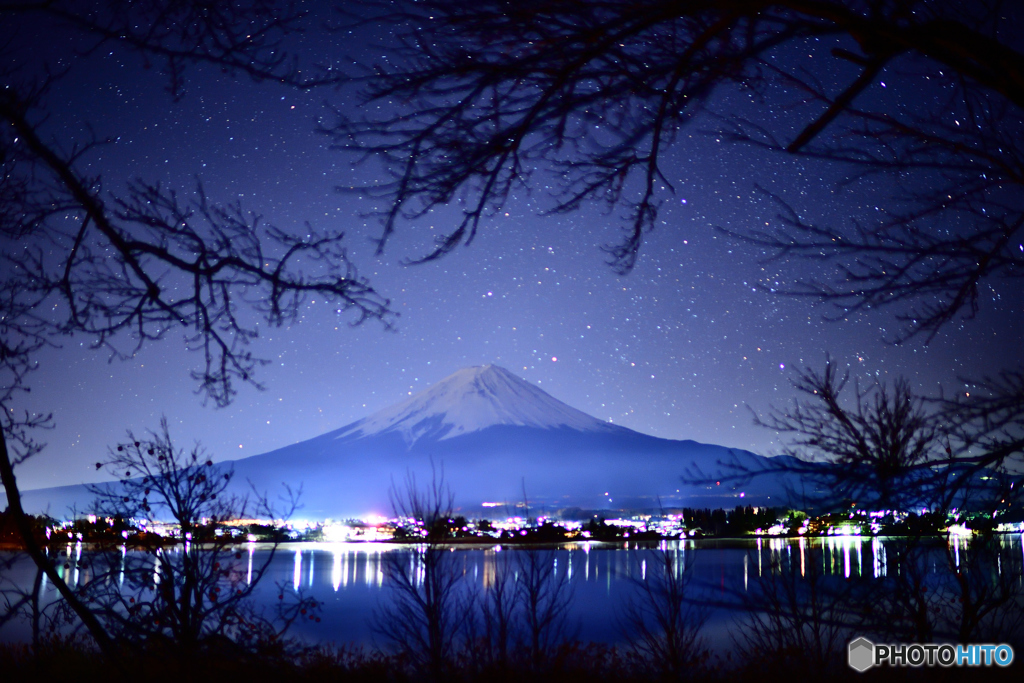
{"type": "Point", "coordinates": [776, 547]}
{"type": "Point", "coordinates": [248, 573]}
{"type": "Point", "coordinates": [336, 568]}
{"type": "Point", "coordinates": [78, 558]}
{"type": "Point", "coordinates": [490, 567]}
{"type": "Point", "coordinates": [878, 557]}
{"type": "Point", "coordinates": [957, 542]}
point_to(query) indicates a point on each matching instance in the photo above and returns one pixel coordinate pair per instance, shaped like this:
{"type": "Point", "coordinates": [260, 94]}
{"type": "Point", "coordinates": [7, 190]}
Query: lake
{"type": "Point", "coordinates": [350, 579]}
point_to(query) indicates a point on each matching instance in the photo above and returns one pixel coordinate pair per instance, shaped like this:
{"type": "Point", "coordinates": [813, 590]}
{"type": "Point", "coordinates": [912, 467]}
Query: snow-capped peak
{"type": "Point", "coordinates": [469, 400]}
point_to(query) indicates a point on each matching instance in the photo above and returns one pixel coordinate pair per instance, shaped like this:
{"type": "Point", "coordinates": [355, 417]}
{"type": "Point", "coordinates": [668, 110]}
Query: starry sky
{"type": "Point", "coordinates": [684, 347]}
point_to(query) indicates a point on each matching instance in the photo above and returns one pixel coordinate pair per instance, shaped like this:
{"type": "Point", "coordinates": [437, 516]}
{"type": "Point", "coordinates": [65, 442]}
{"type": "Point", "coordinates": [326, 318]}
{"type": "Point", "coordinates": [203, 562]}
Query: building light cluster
{"type": "Point", "coordinates": [640, 527]}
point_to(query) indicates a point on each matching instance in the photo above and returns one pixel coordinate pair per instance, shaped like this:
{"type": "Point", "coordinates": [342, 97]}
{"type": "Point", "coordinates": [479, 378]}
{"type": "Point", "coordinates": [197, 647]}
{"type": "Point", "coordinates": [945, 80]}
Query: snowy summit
{"type": "Point", "coordinates": [470, 400]}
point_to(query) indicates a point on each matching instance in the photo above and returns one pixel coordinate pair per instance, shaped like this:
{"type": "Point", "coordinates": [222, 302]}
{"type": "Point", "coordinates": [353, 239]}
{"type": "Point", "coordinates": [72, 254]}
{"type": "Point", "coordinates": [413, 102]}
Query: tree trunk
{"type": "Point", "coordinates": [21, 522]}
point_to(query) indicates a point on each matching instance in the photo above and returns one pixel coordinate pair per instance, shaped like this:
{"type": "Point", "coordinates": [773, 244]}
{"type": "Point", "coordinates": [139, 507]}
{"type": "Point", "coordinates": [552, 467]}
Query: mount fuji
{"type": "Point", "coordinates": [471, 400]}
{"type": "Point", "coordinates": [494, 437]}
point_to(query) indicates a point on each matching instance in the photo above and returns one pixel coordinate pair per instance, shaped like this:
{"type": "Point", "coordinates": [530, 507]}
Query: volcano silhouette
{"type": "Point", "coordinates": [493, 436]}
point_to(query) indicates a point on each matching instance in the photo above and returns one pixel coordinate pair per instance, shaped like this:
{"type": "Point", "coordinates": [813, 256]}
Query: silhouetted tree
{"type": "Point", "coordinates": [796, 620]}
{"type": "Point", "coordinates": [18, 602]}
{"type": "Point", "coordinates": [84, 257]}
{"type": "Point", "coordinates": [879, 446]}
{"type": "Point", "coordinates": [494, 642]}
{"type": "Point", "coordinates": [887, 449]}
{"type": "Point", "coordinates": [192, 592]}
{"type": "Point", "coordinates": [663, 620]}
{"type": "Point", "coordinates": [121, 266]}
{"type": "Point", "coordinates": [959, 589]}
{"type": "Point", "coordinates": [477, 101]}
{"type": "Point", "coordinates": [883, 448]}
{"type": "Point", "coordinates": [523, 626]}
{"type": "Point", "coordinates": [428, 608]}
{"type": "Point", "coordinates": [544, 594]}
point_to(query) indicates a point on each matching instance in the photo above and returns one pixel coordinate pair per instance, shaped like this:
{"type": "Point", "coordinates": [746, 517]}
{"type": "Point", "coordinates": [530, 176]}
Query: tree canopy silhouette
{"type": "Point", "coordinates": [192, 592]}
{"type": "Point", "coordinates": [475, 102]}
{"type": "Point", "coordinates": [84, 256]}
{"type": "Point", "coordinates": [584, 99]}
{"type": "Point", "coordinates": [126, 262]}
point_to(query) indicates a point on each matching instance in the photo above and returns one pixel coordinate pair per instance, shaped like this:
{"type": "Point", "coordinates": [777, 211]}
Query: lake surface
{"type": "Point", "coordinates": [350, 579]}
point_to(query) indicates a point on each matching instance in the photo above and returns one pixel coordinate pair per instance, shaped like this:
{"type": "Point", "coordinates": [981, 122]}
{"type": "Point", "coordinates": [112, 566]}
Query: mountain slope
{"type": "Point", "coordinates": [470, 400]}
{"type": "Point", "coordinates": [493, 435]}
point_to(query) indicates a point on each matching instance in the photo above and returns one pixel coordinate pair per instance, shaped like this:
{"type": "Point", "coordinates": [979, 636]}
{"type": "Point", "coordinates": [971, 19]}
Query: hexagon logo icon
{"type": "Point", "coordinates": [861, 654]}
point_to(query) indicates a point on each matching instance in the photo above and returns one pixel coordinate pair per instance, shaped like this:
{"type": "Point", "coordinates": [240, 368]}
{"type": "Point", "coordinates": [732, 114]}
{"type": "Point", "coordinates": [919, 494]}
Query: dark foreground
{"type": "Point", "coordinates": [73, 660]}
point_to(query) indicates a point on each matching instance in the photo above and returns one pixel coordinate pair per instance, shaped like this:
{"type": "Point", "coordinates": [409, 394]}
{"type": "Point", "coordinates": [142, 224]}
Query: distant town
{"type": "Point", "coordinates": [686, 523]}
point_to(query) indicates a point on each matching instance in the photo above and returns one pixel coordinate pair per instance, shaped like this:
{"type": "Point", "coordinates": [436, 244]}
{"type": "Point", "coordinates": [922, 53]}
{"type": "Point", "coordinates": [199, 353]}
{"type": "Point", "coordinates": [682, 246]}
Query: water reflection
{"type": "Point", "coordinates": [345, 572]}
{"type": "Point", "coordinates": [351, 582]}
{"type": "Point", "coordinates": [878, 557]}
{"type": "Point", "coordinates": [350, 564]}
{"type": "Point", "coordinates": [248, 573]}
{"type": "Point", "coordinates": [733, 564]}
{"type": "Point", "coordinates": [353, 564]}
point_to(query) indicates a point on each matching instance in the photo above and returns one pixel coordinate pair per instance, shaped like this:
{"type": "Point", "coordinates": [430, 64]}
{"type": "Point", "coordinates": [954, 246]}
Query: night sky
{"type": "Point", "coordinates": [679, 348]}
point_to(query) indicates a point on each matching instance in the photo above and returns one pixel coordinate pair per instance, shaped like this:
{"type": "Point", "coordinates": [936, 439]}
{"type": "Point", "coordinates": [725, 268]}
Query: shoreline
{"type": "Point", "coordinates": [485, 543]}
